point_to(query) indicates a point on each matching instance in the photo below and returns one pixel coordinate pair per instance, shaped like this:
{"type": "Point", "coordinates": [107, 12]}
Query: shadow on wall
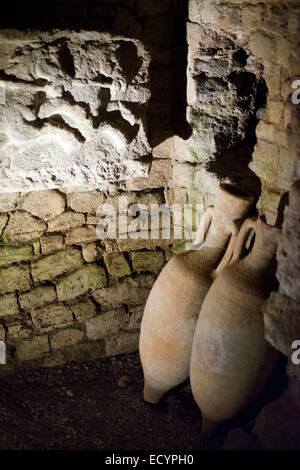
{"type": "Point", "coordinates": [228, 96]}
{"type": "Point", "coordinates": [234, 152]}
{"type": "Point", "coordinates": [161, 25]}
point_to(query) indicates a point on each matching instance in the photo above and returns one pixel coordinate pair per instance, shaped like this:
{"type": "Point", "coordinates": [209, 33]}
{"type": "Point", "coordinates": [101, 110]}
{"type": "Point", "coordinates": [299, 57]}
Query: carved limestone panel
{"type": "Point", "coordinates": [72, 109]}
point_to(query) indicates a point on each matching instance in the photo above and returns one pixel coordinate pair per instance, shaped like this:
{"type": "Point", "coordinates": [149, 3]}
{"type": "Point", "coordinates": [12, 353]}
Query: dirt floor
{"type": "Point", "coordinates": [97, 405]}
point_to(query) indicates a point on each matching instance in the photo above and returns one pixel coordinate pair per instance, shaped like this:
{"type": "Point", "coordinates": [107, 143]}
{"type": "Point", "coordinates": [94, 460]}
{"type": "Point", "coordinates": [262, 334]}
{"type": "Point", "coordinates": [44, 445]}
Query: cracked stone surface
{"type": "Point", "coordinates": [72, 109]}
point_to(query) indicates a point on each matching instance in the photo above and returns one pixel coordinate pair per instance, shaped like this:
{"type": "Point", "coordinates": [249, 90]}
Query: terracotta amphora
{"type": "Point", "coordinates": [231, 361]}
{"type": "Point", "coordinates": [174, 302]}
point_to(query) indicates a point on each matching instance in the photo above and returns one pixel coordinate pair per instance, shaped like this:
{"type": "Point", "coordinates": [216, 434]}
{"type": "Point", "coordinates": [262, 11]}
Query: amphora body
{"type": "Point", "coordinates": [231, 361]}
{"type": "Point", "coordinates": [175, 300]}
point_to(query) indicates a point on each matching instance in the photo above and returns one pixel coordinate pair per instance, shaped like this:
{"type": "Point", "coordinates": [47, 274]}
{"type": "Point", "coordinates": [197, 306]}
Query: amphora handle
{"type": "Point", "coordinates": [236, 244]}
{"type": "Point", "coordinates": [247, 226]}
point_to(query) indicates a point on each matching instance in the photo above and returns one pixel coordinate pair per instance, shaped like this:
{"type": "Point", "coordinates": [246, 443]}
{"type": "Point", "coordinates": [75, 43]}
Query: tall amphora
{"type": "Point", "coordinates": [174, 302]}
{"type": "Point", "coordinates": [231, 361]}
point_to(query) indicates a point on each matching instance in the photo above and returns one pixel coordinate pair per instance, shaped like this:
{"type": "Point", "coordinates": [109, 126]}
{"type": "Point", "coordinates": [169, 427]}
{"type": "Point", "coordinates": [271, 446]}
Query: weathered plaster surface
{"type": "Point", "coordinates": [72, 111]}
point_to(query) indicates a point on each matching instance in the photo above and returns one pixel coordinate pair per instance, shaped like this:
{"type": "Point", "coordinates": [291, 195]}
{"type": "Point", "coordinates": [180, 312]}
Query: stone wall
{"type": "Point", "coordinates": [243, 64]}
{"type": "Point", "coordinates": [243, 61]}
{"type": "Point", "coordinates": [90, 294]}
{"type": "Point", "coordinates": [66, 295]}
{"type": "Point", "coordinates": [245, 56]}
{"type": "Point", "coordinates": [261, 151]}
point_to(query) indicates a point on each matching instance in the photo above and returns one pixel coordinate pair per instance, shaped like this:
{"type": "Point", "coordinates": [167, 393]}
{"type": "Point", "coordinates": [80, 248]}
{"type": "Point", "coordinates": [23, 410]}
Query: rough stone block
{"type": "Point", "coordinates": [271, 217]}
{"type": "Point", "coordinates": [265, 161]}
{"type": "Point", "coordinates": [81, 235]}
{"type": "Point", "coordinates": [51, 317]}
{"type": "Point", "coordinates": [83, 352]}
{"type": "Point", "coordinates": [286, 169]}
{"type": "Point", "coordinates": [106, 324]}
{"type": "Point", "coordinates": [274, 112]}
{"type": "Point", "coordinates": [206, 181]}
{"type": "Point", "coordinates": [272, 75]}
{"type": "Point", "coordinates": [183, 150]}
{"type": "Point", "coordinates": [86, 202]}
{"type": "Point", "coordinates": [284, 50]}
{"type": "Point", "coordinates": [117, 265]}
{"type": "Point", "coordinates": [65, 222]}
{"type": "Point", "coordinates": [288, 114]}
{"type": "Point", "coordinates": [36, 247]}
{"type": "Point", "coordinates": [53, 359]}
{"type": "Point", "coordinates": [88, 277]}
{"type": "Point", "coordinates": [3, 222]}
{"type": "Point", "coordinates": [176, 196]}
{"type": "Point", "coordinates": [51, 266]}
{"type": "Point", "coordinates": [84, 310]}
{"type": "Point", "coordinates": [164, 149]}
{"type": "Point", "coordinates": [141, 244]}
{"type": "Point", "coordinates": [51, 243]}
{"type": "Point", "coordinates": [32, 348]}
{"type": "Point", "coordinates": [23, 227]}
{"type": "Point", "coordinates": [263, 47]}
{"type": "Point", "coordinates": [37, 297]}
{"type": "Point", "coordinates": [44, 204]}
{"type": "Point", "coordinates": [9, 305]}
{"type": "Point", "coordinates": [203, 12]}
{"type": "Point", "coordinates": [2, 333]}
{"type": "Point", "coordinates": [183, 175]}
{"type": "Point", "coordinates": [14, 254]}
{"type": "Point", "coordinates": [286, 88]}
{"type": "Point", "coordinates": [160, 174]}
{"type": "Point", "coordinates": [93, 220]}
{"type": "Point", "coordinates": [130, 291]}
{"type": "Point", "coordinates": [151, 261]}
{"type": "Point", "coordinates": [282, 322]}
{"type": "Point", "coordinates": [136, 315]}
{"type": "Point", "coordinates": [270, 200]}
{"type": "Point", "coordinates": [266, 131]}
{"type": "Point", "coordinates": [251, 16]}
{"type": "Point", "coordinates": [90, 253]}
{"type": "Point", "coordinates": [17, 331]}
{"type": "Point", "coordinates": [147, 199]}
{"type": "Point", "coordinates": [64, 338]}
{"type": "Point", "coordinates": [14, 278]}
{"type": "Point", "coordinates": [288, 264]}
{"type": "Point", "coordinates": [124, 343]}
{"type": "Point", "coordinates": [8, 201]}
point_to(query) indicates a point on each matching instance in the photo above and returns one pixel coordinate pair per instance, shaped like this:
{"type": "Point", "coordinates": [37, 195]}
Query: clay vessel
{"type": "Point", "coordinates": [231, 361]}
{"type": "Point", "coordinates": [174, 302]}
